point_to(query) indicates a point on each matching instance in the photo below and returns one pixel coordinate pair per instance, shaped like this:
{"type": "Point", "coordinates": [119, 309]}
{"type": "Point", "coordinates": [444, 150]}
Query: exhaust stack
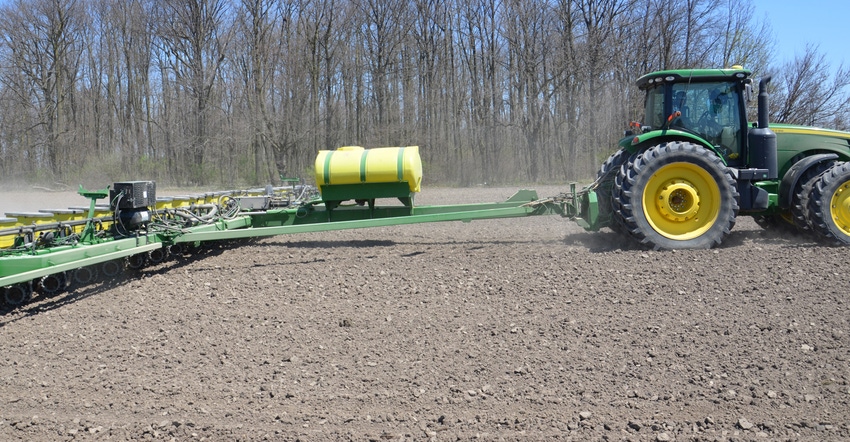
{"type": "Point", "coordinates": [762, 102]}
{"type": "Point", "coordinates": [761, 141]}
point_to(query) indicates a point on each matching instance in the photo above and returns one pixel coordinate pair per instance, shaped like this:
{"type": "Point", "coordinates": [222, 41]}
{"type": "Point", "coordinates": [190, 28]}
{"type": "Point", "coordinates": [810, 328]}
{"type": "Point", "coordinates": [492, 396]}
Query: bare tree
{"type": "Point", "coordinates": [193, 37]}
{"type": "Point", "coordinates": [259, 23]}
{"type": "Point", "coordinates": [811, 93]}
{"type": "Point", "coordinates": [526, 31]}
{"type": "Point", "coordinates": [241, 91]}
{"type": "Point", "coordinates": [117, 96]}
{"type": "Point", "coordinates": [432, 37]}
{"type": "Point", "coordinates": [480, 50]}
{"type": "Point", "coordinates": [43, 49]}
{"type": "Point", "coordinates": [382, 29]}
{"type": "Point", "coordinates": [746, 41]}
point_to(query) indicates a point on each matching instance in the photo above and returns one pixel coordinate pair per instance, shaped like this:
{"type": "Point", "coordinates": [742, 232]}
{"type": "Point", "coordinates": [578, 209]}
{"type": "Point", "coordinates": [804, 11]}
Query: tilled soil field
{"type": "Point", "coordinates": [515, 329]}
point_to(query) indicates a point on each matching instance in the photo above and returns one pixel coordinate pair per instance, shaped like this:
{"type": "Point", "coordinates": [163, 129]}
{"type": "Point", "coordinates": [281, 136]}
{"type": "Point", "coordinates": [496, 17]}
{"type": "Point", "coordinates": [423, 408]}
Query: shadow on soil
{"type": "Point", "coordinates": [44, 303]}
{"type": "Point", "coordinates": [357, 244]}
{"type": "Point", "coordinates": [604, 241]}
{"type": "Point", "coordinates": [366, 244]}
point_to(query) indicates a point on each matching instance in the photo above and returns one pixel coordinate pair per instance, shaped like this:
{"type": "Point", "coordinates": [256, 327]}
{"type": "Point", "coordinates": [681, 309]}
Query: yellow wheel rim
{"type": "Point", "coordinates": [839, 207]}
{"type": "Point", "coordinates": [681, 201]}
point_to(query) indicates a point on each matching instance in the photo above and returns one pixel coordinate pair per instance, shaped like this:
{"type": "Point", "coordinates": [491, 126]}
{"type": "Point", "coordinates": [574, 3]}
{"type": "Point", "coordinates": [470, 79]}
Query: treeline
{"type": "Point", "coordinates": [218, 92]}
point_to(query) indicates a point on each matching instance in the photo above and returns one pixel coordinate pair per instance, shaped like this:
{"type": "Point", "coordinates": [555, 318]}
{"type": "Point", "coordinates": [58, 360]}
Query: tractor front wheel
{"type": "Point", "coordinates": [829, 204]}
{"type": "Point", "coordinates": [677, 195]}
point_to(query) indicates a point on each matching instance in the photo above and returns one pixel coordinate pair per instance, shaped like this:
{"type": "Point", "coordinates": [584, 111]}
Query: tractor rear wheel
{"type": "Point", "coordinates": [829, 204]}
{"type": "Point", "coordinates": [677, 195]}
{"type": "Point", "coordinates": [612, 164]}
{"type": "Point", "coordinates": [796, 219]}
{"type": "Point", "coordinates": [802, 192]}
{"type": "Point", "coordinates": [604, 187]}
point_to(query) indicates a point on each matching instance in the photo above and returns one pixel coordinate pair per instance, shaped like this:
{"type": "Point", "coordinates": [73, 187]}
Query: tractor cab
{"type": "Point", "coordinates": [705, 106]}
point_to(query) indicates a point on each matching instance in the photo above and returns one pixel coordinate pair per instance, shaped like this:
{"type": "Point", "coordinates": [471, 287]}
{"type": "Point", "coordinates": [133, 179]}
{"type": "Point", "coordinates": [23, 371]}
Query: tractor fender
{"type": "Point", "coordinates": [643, 141]}
{"type": "Point", "coordinates": [789, 181]}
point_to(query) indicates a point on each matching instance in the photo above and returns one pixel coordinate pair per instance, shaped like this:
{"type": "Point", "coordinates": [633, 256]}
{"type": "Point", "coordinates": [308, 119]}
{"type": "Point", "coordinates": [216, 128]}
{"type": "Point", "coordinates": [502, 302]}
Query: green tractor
{"type": "Point", "coordinates": [680, 180]}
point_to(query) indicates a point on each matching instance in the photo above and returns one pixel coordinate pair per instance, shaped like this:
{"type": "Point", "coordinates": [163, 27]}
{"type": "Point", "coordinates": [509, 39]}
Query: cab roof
{"type": "Point", "coordinates": [735, 73]}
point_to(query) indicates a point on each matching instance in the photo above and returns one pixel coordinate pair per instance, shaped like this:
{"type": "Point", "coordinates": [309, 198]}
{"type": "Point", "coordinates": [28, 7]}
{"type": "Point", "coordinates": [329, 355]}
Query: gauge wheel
{"type": "Point", "coordinates": [137, 261]}
{"type": "Point", "coordinates": [111, 269]}
{"type": "Point", "coordinates": [157, 256]}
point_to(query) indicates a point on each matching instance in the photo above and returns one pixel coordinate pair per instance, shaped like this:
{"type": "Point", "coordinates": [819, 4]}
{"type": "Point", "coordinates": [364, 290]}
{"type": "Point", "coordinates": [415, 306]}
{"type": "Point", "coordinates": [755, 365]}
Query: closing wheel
{"type": "Point", "coordinates": [677, 195]}
{"type": "Point", "coordinates": [17, 294]}
{"type": "Point", "coordinates": [85, 275]}
{"type": "Point", "coordinates": [112, 268]}
{"type": "Point", "coordinates": [829, 204]}
{"type": "Point", "coordinates": [159, 255]}
{"type": "Point", "coordinates": [51, 285]}
{"type": "Point", "coordinates": [137, 261]}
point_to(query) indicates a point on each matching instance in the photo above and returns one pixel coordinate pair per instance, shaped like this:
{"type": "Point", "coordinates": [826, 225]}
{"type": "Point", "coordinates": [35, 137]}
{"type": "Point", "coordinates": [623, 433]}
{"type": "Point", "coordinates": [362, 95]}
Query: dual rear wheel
{"type": "Point", "coordinates": [675, 195]}
{"type": "Point", "coordinates": [820, 205]}
{"type": "Point", "coordinates": [828, 204]}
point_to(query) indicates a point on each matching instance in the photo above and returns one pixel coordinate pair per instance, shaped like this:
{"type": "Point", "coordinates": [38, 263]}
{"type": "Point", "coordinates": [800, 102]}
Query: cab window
{"type": "Point", "coordinates": [711, 111]}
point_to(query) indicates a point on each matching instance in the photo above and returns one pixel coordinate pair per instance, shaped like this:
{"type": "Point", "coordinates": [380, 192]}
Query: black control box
{"type": "Point", "coordinates": [132, 195]}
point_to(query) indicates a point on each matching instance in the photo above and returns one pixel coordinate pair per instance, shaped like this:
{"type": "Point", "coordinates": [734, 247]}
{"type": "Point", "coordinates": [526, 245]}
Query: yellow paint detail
{"type": "Point", "coordinates": [810, 131]}
{"type": "Point", "coordinates": [840, 207]}
{"type": "Point", "coordinates": [681, 201]}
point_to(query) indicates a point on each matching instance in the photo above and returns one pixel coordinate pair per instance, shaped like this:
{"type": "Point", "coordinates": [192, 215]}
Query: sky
{"type": "Point", "coordinates": [798, 22]}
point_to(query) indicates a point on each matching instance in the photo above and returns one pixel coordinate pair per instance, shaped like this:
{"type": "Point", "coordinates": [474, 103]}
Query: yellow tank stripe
{"type": "Point", "coordinates": [328, 167]}
{"type": "Point", "coordinates": [400, 165]}
{"type": "Point", "coordinates": [363, 165]}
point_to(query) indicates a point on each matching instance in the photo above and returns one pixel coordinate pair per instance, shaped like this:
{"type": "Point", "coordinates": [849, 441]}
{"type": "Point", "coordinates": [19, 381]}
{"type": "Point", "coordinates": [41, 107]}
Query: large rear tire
{"type": "Point", "coordinates": [802, 193]}
{"type": "Point", "coordinates": [677, 195]}
{"type": "Point", "coordinates": [829, 205]}
{"type": "Point", "coordinates": [604, 188]}
{"type": "Point", "coordinates": [796, 219]}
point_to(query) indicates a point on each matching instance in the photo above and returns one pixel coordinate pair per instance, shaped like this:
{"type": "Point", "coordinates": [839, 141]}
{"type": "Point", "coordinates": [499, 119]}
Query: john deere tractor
{"type": "Point", "coordinates": [680, 179]}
